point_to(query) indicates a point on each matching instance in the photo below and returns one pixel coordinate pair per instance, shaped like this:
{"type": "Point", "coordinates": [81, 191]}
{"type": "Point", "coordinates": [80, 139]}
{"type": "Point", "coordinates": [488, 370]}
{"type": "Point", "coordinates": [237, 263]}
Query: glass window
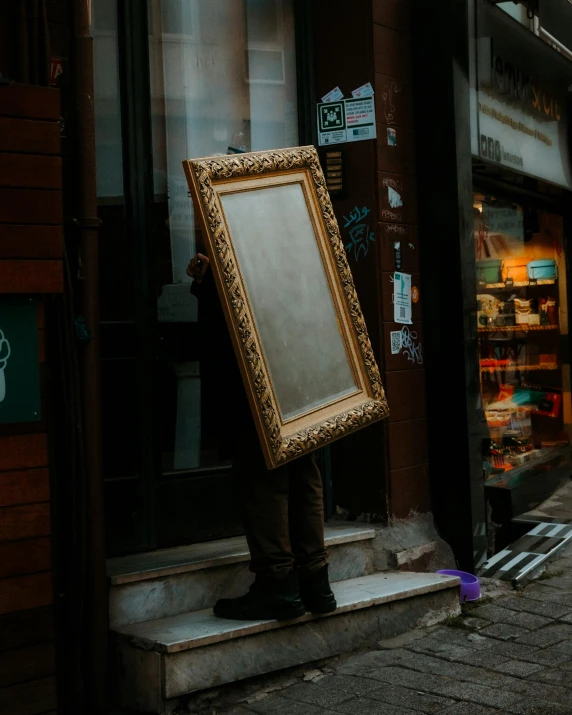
{"type": "Point", "coordinates": [516, 10]}
{"type": "Point", "coordinates": [522, 317]}
{"type": "Point", "coordinates": [223, 81]}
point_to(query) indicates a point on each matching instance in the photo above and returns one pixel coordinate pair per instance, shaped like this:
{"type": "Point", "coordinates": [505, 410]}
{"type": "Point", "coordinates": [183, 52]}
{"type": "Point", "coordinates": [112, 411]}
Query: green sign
{"type": "Point", "coordinates": [19, 360]}
{"type": "Point", "coordinates": [332, 116]}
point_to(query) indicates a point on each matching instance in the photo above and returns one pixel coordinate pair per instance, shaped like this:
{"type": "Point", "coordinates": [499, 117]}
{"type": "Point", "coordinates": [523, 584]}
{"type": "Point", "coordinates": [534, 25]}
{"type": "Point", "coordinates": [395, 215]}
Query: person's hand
{"type": "Point", "coordinates": [198, 267]}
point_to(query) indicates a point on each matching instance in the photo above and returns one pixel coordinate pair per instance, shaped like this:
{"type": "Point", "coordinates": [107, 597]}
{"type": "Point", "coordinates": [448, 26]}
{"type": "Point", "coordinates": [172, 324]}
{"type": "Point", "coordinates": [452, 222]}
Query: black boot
{"type": "Point", "coordinates": [269, 598]}
{"type": "Point", "coordinates": [315, 590]}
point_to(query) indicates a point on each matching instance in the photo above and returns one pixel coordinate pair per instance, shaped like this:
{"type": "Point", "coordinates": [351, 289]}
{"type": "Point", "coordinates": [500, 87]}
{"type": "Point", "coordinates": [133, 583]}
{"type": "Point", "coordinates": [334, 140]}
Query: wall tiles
{"type": "Point", "coordinates": [409, 491]}
{"type": "Point", "coordinates": [407, 444]}
{"type": "Point", "coordinates": [405, 391]}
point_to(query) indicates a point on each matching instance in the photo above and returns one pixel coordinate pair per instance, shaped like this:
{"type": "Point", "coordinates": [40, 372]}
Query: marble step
{"type": "Point", "coordinates": [167, 582]}
{"type": "Point", "coordinates": [159, 662]}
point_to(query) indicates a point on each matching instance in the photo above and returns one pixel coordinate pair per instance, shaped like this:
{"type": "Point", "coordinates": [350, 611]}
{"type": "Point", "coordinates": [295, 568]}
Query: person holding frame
{"type": "Point", "coordinates": [282, 510]}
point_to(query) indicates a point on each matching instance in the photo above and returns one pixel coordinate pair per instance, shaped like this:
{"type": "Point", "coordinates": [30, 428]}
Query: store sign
{"type": "Point", "coordinates": [348, 120]}
{"type": "Point", "coordinates": [19, 363]}
{"type": "Point", "coordinates": [56, 69]}
{"type": "Point", "coordinates": [402, 298]}
{"type": "Point", "coordinates": [522, 88]}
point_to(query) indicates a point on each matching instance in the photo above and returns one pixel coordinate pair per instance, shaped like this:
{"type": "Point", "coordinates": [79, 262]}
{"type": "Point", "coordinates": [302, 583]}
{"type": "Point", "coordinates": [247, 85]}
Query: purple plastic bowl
{"type": "Point", "coordinates": [470, 585]}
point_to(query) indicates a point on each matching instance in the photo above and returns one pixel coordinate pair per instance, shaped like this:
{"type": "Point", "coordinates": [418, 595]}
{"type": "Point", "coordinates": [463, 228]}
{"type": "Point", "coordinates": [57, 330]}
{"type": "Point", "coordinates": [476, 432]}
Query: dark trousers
{"type": "Point", "coordinates": [282, 510]}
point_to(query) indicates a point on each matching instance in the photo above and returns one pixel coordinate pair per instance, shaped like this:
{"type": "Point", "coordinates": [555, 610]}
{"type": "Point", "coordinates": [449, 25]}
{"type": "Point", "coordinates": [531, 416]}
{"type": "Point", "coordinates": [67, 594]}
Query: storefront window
{"type": "Point", "coordinates": [223, 81]}
{"type": "Point", "coordinates": [522, 318]}
{"type": "Point", "coordinates": [516, 10]}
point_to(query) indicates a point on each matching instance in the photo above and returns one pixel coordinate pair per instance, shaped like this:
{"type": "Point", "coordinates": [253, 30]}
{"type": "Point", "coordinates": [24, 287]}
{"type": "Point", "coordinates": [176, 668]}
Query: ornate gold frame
{"type": "Point", "coordinates": [281, 440]}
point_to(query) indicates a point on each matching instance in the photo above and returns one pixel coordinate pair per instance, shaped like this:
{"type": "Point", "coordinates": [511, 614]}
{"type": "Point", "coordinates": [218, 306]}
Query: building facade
{"type": "Point", "coordinates": [121, 458]}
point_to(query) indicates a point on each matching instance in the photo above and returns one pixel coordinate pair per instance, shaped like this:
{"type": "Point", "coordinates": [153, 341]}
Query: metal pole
{"type": "Point", "coordinates": [86, 216]}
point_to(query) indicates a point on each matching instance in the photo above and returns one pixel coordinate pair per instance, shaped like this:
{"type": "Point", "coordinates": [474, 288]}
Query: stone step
{"type": "Point", "coordinates": [167, 582]}
{"type": "Point", "coordinates": [160, 662]}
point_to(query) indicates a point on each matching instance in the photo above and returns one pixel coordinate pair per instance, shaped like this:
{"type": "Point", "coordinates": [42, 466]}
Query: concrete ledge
{"type": "Point", "coordinates": [187, 671]}
{"type": "Point", "coordinates": [219, 569]}
{"type": "Point", "coordinates": [195, 557]}
{"type": "Point", "coordinates": [199, 628]}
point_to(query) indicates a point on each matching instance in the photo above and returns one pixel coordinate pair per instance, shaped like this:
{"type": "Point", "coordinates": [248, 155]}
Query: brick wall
{"type": "Point", "coordinates": [404, 378]}
{"type": "Point", "coordinates": [30, 264]}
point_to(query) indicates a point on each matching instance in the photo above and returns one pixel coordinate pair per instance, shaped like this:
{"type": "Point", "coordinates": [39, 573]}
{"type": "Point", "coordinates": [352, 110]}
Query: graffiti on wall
{"type": "Point", "coordinates": [357, 227]}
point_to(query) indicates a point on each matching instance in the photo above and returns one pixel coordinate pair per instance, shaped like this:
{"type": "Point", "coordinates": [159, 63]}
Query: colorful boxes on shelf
{"type": "Point", "coordinates": [489, 271]}
{"type": "Point", "coordinates": [542, 269]}
{"type": "Point", "coordinates": [516, 270]}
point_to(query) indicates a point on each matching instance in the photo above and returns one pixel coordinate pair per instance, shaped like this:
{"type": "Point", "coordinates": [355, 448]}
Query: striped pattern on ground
{"type": "Point", "coordinates": [522, 558]}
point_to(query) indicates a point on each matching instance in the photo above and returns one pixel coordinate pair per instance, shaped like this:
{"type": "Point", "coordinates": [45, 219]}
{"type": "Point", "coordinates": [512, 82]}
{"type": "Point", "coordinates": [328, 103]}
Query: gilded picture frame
{"type": "Point", "coordinates": [289, 298]}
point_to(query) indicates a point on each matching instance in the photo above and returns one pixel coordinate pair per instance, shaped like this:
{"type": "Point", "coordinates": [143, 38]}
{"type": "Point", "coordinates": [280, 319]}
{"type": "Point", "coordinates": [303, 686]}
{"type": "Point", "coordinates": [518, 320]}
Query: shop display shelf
{"type": "Point", "coordinates": [517, 284]}
{"type": "Point", "coordinates": [537, 457]}
{"type": "Point", "coordinates": [514, 366]}
{"type": "Point", "coordinates": [515, 328]}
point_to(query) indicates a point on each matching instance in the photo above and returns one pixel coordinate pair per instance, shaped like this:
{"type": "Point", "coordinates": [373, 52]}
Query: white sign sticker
{"type": "Point", "coordinates": [395, 337]}
{"type": "Point", "coordinates": [402, 298]}
{"type": "Point", "coordinates": [366, 90]}
{"type": "Point", "coordinates": [360, 119]}
{"type": "Point", "coordinates": [349, 120]}
{"type": "Point", "coordinates": [333, 95]}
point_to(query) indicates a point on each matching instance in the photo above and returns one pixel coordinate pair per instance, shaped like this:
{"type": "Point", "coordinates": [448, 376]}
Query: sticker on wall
{"type": "Point", "coordinates": [397, 254]}
{"type": "Point", "coordinates": [415, 294]}
{"type": "Point", "coordinates": [333, 95]}
{"type": "Point", "coordinates": [366, 90]}
{"type": "Point", "coordinates": [391, 137]}
{"type": "Point", "coordinates": [394, 198]}
{"type": "Point", "coordinates": [348, 120]}
{"type": "Point", "coordinates": [395, 338]}
{"type": "Point", "coordinates": [5, 352]}
{"type": "Point", "coordinates": [19, 360]}
{"type": "Point", "coordinates": [402, 298]}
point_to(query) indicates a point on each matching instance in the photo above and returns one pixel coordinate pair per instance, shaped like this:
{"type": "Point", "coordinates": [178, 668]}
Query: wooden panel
{"type": "Point", "coordinates": [37, 696]}
{"type": "Point", "coordinates": [392, 13]}
{"type": "Point", "coordinates": [406, 236]}
{"type": "Point", "coordinates": [30, 206]}
{"type": "Point", "coordinates": [32, 102]}
{"type": "Point", "coordinates": [392, 52]}
{"type": "Point", "coordinates": [410, 491]}
{"type": "Point", "coordinates": [405, 390]}
{"type": "Point", "coordinates": [398, 159]}
{"type": "Point", "coordinates": [32, 172]}
{"type": "Point", "coordinates": [387, 288]}
{"type": "Point", "coordinates": [24, 487]}
{"type": "Point", "coordinates": [18, 276]}
{"type": "Point", "coordinates": [29, 556]}
{"type": "Point", "coordinates": [23, 452]}
{"type": "Point", "coordinates": [31, 241]}
{"type": "Point", "coordinates": [30, 136]}
{"type": "Point", "coordinates": [407, 443]}
{"type": "Point", "coordinates": [397, 198]}
{"type": "Point", "coordinates": [393, 101]}
{"type": "Point", "coordinates": [410, 355]}
{"type": "Point", "coordinates": [24, 522]}
{"type": "Point", "coordinates": [25, 592]}
{"type": "Point", "coordinates": [32, 663]}
{"type": "Point", "coordinates": [26, 628]}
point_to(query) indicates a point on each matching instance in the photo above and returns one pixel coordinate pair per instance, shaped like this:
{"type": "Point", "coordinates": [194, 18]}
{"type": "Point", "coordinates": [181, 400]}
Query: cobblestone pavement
{"type": "Point", "coordinates": [511, 654]}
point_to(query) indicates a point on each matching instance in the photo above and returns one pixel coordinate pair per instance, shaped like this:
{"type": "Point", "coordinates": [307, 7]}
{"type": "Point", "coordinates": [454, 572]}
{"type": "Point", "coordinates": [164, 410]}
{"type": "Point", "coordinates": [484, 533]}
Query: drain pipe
{"type": "Point", "coordinates": [96, 617]}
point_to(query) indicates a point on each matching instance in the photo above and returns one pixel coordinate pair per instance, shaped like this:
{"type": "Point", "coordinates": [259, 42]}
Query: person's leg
{"type": "Point", "coordinates": [264, 509]}
{"type": "Point", "coordinates": [306, 511]}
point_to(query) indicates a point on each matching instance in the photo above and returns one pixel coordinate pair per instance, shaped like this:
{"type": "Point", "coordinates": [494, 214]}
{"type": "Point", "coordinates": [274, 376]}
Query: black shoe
{"type": "Point", "coordinates": [269, 598]}
{"type": "Point", "coordinates": [315, 590]}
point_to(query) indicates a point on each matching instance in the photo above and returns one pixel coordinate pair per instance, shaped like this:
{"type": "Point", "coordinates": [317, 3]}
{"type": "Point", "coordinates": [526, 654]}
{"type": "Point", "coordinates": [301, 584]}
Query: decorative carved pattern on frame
{"type": "Point", "coordinates": [215, 169]}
